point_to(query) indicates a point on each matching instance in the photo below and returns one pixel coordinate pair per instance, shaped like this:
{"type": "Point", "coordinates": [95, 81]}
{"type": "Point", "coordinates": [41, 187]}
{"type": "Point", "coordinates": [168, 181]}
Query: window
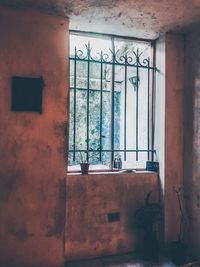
{"type": "Point", "coordinates": [111, 95]}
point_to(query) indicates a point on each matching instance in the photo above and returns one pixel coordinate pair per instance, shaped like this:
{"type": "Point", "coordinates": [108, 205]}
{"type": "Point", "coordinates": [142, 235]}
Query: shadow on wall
{"type": "Point", "coordinates": [191, 136]}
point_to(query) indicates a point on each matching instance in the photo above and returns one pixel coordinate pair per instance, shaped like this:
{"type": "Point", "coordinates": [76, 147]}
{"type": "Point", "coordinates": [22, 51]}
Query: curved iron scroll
{"type": "Point", "coordinates": [135, 60]}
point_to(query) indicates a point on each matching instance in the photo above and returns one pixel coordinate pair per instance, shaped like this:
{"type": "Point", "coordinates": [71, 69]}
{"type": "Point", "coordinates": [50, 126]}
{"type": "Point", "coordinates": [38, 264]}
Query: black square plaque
{"type": "Point", "coordinates": [27, 94]}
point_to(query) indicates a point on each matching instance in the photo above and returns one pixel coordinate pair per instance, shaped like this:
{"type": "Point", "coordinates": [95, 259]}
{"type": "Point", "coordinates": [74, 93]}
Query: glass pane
{"type": "Point", "coordinates": [143, 109]}
{"type": "Point", "coordinates": [107, 76]}
{"type": "Point", "coordinates": [81, 74]}
{"type": "Point", "coordinates": [72, 76]}
{"type": "Point", "coordinates": [94, 126]}
{"type": "Point", "coordinates": [95, 76]}
{"type": "Point", "coordinates": [106, 126]}
{"type": "Point", "coordinates": [81, 119]}
{"type": "Point", "coordinates": [131, 162]}
{"type": "Point", "coordinates": [71, 120]}
{"type": "Point", "coordinates": [96, 44]}
{"type": "Point", "coordinates": [124, 46]}
{"type": "Point", "coordinates": [128, 100]}
{"type": "Point", "coordinates": [119, 80]}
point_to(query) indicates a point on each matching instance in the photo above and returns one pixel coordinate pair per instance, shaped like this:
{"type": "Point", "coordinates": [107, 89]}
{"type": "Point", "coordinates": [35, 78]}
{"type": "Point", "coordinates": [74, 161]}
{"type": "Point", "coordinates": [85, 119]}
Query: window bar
{"type": "Point", "coordinates": [112, 102]}
{"type": "Point", "coordinates": [137, 66]}
{"type": "Point", "coordinates": [88, 97]}
{"type": "Point", "coordinates": [92, 89]}
{"type": "Point", "coordinates": [116, 150]}
{"type": "Point", "coordinates": [125, 102]}
{"type": "Point", "coordinates": [153, 92]}
{"type": "Point", "coordinates": [148, 111]}
{"type": "Point", "coordinates": [101, 106]}
{"type": "Point", "coordinates": [74, 136]}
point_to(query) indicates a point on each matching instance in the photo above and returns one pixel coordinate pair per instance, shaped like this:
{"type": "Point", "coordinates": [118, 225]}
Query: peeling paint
{"type": "Point", "coordinates": [19, 231]}
{"type": "Point", "coordinates": [10, 182]}
{"type": "Point", "coordinates": [60, 129]}
{"type": "Point", "coordinates": [16, 147]}
{"type": "Point", "coordinates": [27, 123]}
{"type": "Point", "coordinates": [58, 215]}
{"type": "Point", "coordinates": [44, 149]}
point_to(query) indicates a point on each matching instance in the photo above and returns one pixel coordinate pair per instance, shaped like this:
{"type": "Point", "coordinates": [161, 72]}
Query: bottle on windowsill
{"type": "Point", "coordinates": [117, 163]}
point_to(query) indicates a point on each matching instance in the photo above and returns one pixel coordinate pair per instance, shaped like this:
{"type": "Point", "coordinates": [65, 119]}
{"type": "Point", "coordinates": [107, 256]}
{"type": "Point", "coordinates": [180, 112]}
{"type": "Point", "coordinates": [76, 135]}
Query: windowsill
{"type": "Point", "coordinates": [110, 172]}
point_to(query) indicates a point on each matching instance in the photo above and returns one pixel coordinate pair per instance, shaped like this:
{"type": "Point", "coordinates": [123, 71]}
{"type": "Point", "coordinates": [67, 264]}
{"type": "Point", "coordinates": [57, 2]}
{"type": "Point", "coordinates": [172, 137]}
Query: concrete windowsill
{"type": "Point", "coordinates": [110, 172]}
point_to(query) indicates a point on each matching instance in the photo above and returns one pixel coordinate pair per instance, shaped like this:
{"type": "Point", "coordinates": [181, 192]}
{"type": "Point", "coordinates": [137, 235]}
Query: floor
{"type": "Point", "coordinates": [126, 260]}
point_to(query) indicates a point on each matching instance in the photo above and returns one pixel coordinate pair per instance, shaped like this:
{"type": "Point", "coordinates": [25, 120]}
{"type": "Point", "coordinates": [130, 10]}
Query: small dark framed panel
{"type": "Point", "coordinates": [26, 94]}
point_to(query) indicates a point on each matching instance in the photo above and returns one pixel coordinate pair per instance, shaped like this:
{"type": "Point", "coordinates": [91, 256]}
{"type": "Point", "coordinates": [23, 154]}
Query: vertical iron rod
{"type": "Point", "coordinates": [125, 102]}
{"type": "Point", "coordinates": [148, 107]}
{"type": "Point", "coordinates": [74, 136]}
{"type": "Point", "coordinates": [101, 106]}
{"type": "Point", "coordinates": [137, 66]}
{"type": "Point", "coordinates": [153, 92]}
{"type": "Point", "coordinates": [113, 102]}
{"type": "Point", "coordinates": [88, 98]}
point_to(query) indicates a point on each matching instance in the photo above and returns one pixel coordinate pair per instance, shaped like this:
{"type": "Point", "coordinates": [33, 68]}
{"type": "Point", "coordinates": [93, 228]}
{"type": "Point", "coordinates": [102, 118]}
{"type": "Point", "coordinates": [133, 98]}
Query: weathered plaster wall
{"type": "Point", "coordinates": [139, 18]}
{"type": "Point", "coordinates": [174, 69]}
{"type": "Point", "coordinates": [90, 198]}
{"type": "Point", "coordinates": [32, 165]}
{"type": "Point", "coordinates": [192, 140]}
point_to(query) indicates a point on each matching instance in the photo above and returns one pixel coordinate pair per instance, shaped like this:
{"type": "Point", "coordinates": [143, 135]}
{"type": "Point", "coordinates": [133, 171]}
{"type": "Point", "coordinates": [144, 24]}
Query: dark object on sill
{"type": "Point", "coordinates": [178, 252]}
{"type": "Point", "coordinates": [152, 166]}
{"type": "Point", "coordinates": [26, 94]}
{"type": "Point", "coordinates": [84, 168]}
{"type": "Point", "coordinates": [147, 217]}
{"type": "Point", "coordinates": [117, 163]}
{"type": "Point", "coordinates": [113, 217]}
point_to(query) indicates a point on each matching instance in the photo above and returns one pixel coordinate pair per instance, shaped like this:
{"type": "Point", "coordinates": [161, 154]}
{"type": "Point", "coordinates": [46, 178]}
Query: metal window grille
{"type": "Point", "coordinates": [126, 61]}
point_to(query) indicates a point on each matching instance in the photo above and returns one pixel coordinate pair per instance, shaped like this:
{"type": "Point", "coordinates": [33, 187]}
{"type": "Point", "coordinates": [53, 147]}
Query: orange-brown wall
{"type": "Point", "coordinates": [174, 71]}
{"type": "Point", "coordinates": [192, 141]}
{"type": "Point", "coordinates": [32, 164]}
{"type": "Point", "coordinates": [90, 198]}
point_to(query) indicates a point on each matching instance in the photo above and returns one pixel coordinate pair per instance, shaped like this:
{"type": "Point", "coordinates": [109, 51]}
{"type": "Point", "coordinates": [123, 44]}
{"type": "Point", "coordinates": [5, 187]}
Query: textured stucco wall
{"type": "Point", "coordinates": [138, 18]}
{"type": "Point", "coordinates": [174, 69]}
{"type": "Point", "coordinates": [192, 140]}
{"type": "Point", "coordinates": [32, 164]}
{"type": "Point", "coordinates": [90, 198]}
{"type": "Point", "coordinates": [170, 55]}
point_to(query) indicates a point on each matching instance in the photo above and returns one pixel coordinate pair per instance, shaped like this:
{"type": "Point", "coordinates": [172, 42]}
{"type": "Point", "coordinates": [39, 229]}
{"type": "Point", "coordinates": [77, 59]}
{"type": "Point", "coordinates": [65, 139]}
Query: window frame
{"type": "Point", "coordinates": [151, 99]}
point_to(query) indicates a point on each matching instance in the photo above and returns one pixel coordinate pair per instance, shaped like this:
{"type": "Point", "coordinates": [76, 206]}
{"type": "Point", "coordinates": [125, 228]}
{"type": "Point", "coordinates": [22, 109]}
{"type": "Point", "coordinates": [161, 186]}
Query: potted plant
{"type": "Point", "coordinates": [147, 217]}
{"type": "Point", "coordinates": [94, 149]}
{"type": "Point", "coordinates": [178, 248]}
